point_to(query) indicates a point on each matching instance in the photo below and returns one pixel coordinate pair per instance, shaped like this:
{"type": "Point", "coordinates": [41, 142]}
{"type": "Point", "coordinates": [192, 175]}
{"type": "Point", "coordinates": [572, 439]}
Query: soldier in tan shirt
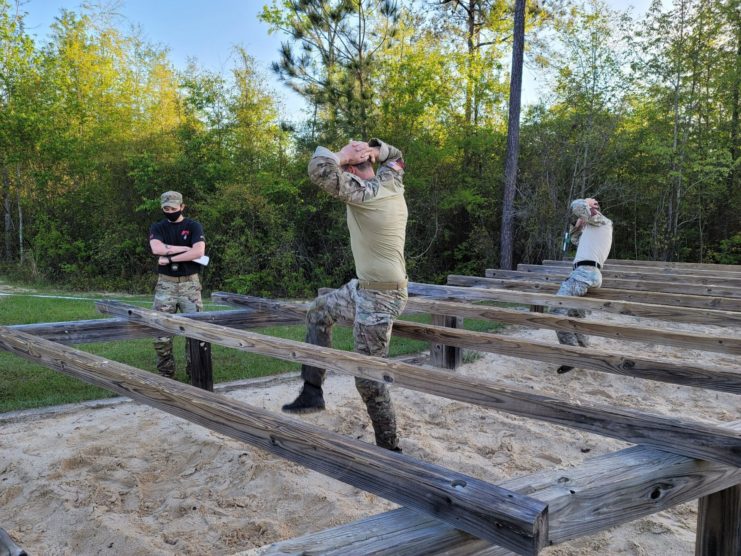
{"type": "Point", "coordinates": [376, 219]}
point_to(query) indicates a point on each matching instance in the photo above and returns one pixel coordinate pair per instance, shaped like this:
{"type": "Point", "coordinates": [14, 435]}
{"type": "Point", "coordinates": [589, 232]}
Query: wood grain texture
{"type": "Point", "coordinates": [468, 288]}
{"type": "Point", "coordinates": [611, 273]}
{"type": "Point", "coordinates": [535, 282]}
{"type": "Point", "coordinates": [106, 330]}
{"type": "Point", "coordinates": [731, 270]}
{"type": "Point", "coordinates": [484, 510]}
{"type": "Point", "coordinates": [599, 494]}
{"type": "Point", "coordinates": [637, 284]}
{"type": "Point", "coordinates": [446, 357]}
{"type": "Point", "coordinates": [690, 340]}
{"type": "Point", "coordinates": [704, 266]}
{"type": "Point", "coordinates": [719, 523]}
{"type": "Point", "coordinates": [675, 435]}
{"type": "Point", "coordinates": [713, 378]}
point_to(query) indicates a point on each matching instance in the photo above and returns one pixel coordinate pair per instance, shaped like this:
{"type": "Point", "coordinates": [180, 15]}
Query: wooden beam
{"type": "Point", "coordinates": [483, 510]}
{"type": "Point", "coordinates": [712, 378]}
{"type": "Point", "coordinates": [609, 274]}
{"type": "Point", "coordinates": [535, 282]}
{"type": "Point", "coordinates": [471, 288]}
{"type": "Point", "coordinates": [704, 266]}
{"type": "Point", "coordinates": [698, 376]}
{"type": "Point", "coordinates": [675, 435]}
{"type": "Point", "coordinates": [719, 523]}
{"type": "Point", "coordinates": [688, 340]}
{"type": "Point", "coordinates": [615, 284]}
{"type": "Point", "coordinates": [106, 330]}
{"type": "Point", "coordinates": [600, 493]}
{"type": "Point", "coordinates": [656, 268]}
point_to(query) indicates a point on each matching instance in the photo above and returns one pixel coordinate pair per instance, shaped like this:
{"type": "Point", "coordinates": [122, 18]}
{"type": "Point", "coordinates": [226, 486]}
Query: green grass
{"type": "Point", "coordinates": [25, 385]}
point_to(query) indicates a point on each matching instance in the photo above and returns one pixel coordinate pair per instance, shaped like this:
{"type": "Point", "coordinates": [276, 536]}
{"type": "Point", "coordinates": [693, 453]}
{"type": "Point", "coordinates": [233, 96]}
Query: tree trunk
{"type": "Point", "coordinates": [20, 214]}
{"type": "Point", "coordinates": [8, 228]}
{"type": "Point", "coordinates": [513, 138]}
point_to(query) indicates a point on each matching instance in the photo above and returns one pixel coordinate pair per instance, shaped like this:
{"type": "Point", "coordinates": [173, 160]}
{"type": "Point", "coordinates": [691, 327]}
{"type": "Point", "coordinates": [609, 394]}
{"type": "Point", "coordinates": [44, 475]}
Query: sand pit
{"type": "Point", "coordinates": [125, 479]}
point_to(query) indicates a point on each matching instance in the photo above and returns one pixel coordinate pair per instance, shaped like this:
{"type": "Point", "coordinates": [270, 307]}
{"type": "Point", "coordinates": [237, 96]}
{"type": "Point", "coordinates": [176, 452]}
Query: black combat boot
{"type": "Point", "coordinates": [310, 400]}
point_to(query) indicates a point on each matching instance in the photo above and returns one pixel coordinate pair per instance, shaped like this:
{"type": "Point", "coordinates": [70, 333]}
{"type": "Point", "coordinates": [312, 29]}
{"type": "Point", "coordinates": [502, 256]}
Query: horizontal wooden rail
{"type": "Point", "coordinates": [484, 510]}
{"type": "Point", "coordinates": [724, 380]}
{"type": "Point", "coordinates": [470, 288]}
{"type": "Point", "coordinates": [706, 266]}
{"type": "Point", "coordinates": [616, 284]}
{"type": "Point", "coordinates": [599, 494]}
{"type": "Point", "coordinates": [610, 274]}
{"type": "Point", "coordinates": [106, 330]}
{"type": "Point", "coordinates": [527, 281]}
{"type": "Point", "coordinates": [735, 271]}
{"type": "Point", "coordinates": [675, 435]}
{"type": "Point", "coordinates": [689, 340]}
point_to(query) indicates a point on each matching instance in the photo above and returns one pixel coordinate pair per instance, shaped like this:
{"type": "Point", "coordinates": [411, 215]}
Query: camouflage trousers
{"type": "Point", "coordinates": [577, 284]}
{"type": "Point", "coordinates": [373, 313]}
{"type": "Point", "coordinates": [168, 298]}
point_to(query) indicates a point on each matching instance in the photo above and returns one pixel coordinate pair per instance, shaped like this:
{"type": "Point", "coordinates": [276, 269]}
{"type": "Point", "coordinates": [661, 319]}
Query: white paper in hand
{"type": "Point", "coordinates": [202, 260]}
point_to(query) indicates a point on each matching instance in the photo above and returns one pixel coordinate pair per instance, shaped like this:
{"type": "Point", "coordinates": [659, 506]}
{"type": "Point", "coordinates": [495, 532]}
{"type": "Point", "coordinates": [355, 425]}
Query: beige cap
{"type": "Point", "coordinates": [171, 199]}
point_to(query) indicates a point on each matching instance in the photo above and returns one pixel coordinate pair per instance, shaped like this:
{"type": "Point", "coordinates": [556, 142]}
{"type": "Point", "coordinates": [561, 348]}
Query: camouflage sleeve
{"type": "Point", "coordinates": [390, 158]}
{"type": "Point", "coordinates": [325, 171]}
{"type": "Point", "coordinates": [580, 209]}
{"type": "Point", "coordinates": [575, 234]}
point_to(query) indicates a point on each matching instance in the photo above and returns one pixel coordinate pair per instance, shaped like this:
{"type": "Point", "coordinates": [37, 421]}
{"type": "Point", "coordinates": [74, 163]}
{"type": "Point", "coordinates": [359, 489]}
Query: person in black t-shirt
{"type": "Point", "coordinates": [178, 242]}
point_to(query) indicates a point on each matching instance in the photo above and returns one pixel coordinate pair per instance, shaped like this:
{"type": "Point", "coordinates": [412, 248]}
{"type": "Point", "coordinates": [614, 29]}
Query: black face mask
{"type": "Point", "coordinates": [172, 216]}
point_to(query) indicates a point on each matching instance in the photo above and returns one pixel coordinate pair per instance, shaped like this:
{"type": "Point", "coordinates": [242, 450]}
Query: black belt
{"type": "Point", "coordinates": [588, 263]}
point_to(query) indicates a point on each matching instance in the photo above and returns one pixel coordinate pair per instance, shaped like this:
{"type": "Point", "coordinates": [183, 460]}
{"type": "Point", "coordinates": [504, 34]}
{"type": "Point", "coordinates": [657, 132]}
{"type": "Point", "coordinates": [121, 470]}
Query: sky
{"type": "Point", "coordinates": [208, 30]}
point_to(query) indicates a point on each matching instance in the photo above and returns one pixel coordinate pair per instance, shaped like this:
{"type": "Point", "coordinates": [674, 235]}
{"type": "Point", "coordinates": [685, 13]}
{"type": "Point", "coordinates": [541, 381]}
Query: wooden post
{"type": "Point", "coordinates": [446, 357]}
{"type": "Point", "coordinates": [201, 369]}
{"type": "Point", "coordinates": [719, 523]}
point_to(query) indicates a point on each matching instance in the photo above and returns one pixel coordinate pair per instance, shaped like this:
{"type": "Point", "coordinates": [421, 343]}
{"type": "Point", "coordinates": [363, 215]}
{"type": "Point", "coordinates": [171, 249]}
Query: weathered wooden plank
{"type": "Point", "coordinates": [657, 268]}
{"type": "Point", "coordinates": [689, 340]}
{"type": "Point", "coordinates": [535, 282]}
{"type": "Point", "coordinates": [719, 523]}
{"type": "Point", "coordinates": [446, 357]}
{"type": "Point", "coordinates": [675, 435]}
{"type": "Point", "coordinates": [106, 330]}
{"type": "Point", "coordinates": [484, 510]}
{"type": "Point", "coordinates": [686, 374]}
{"type": "Point", "coordinates": [610, 274]}
{"type": "Point", "coordinates": [629, 285]}
{"type": "Point", "coordinates": [704, 266]}
{"type": "Point", "coordinates": [599, 494]}
{"type": "Point", "coordinates": [480, 289]}
{"type": "Point", "coordinates": [713, 378]}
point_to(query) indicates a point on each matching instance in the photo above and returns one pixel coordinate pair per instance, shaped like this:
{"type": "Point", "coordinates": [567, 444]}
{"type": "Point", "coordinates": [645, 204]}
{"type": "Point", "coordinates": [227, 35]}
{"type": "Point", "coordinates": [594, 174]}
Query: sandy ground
{"type": "Point", "coordinates": [125, 479]}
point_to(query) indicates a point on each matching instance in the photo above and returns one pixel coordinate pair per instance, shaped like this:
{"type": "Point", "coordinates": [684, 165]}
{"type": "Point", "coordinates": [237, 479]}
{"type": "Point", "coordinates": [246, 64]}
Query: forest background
{"type": "Point", "coordinates": [95, 123]}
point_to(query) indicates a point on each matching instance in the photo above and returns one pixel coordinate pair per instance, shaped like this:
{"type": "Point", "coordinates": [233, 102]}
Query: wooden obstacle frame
{"type": "Point", "coordinates": [673, 460]}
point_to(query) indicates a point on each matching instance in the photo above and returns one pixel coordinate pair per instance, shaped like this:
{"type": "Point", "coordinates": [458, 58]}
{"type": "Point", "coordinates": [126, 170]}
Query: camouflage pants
{"type": "Point", "coordinates": [373, 313]}
{"type": "Point", "coordinates": [168, 298]}
{"type": "Point", "coordinates": [577, 284]}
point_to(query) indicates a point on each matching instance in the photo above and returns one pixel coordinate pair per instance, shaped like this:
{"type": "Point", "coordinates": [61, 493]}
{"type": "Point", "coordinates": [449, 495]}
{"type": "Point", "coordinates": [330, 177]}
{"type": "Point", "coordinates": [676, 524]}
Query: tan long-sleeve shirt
{"type": "Point", "coordinates": [376, 211]}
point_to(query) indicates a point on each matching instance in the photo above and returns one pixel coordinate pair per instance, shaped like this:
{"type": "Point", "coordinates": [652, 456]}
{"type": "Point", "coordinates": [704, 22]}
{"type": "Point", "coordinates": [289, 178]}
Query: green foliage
{"type": "Point", "coordinates": [96, 124]}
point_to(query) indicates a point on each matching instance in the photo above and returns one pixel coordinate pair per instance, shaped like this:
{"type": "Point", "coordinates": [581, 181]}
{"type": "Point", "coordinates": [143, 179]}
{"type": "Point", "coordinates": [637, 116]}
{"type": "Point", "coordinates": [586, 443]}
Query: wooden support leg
{"type": "Point", "coordinates": [719, 523]}
{"type": "Point", "coordinates": [446, 357]}
{"type": "Point", "coordinates": [201, 369]}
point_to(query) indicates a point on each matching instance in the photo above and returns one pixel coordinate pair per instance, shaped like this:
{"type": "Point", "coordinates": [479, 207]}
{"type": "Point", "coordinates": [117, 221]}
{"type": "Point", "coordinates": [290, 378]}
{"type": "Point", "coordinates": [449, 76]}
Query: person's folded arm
{"type": "Point", "coordinates": [160, 248]}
